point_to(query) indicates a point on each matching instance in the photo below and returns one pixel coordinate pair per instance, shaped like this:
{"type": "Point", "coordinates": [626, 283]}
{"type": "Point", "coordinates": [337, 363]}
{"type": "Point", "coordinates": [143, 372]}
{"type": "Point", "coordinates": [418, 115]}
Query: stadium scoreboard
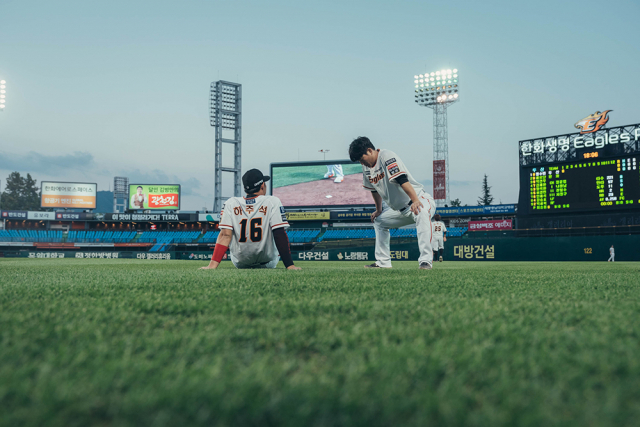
{"type": "Point", "coordinates": [598, 172]}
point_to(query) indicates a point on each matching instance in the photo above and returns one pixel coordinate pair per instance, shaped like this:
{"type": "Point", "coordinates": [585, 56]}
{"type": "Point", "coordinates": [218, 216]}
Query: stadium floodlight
{"type": "Point", "coordinates": [443, 90]}
{"type": "Point", "coordinates": [3, 100]}
{"type": "Point", "coordinates": [324, 151]}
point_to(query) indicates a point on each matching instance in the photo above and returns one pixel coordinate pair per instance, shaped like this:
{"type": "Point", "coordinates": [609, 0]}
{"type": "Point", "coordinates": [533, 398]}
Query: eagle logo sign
{"type": "Point", "coordinates": [593, 122]}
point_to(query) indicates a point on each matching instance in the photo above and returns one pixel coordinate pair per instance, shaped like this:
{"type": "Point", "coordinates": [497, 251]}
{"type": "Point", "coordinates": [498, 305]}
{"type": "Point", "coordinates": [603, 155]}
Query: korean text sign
{"type": "Point", "coordinates": [76, 195]}
{"type": "Point", "coordinates": [159, 197]}
{"type": "Point", "coordinates": [503, 224]}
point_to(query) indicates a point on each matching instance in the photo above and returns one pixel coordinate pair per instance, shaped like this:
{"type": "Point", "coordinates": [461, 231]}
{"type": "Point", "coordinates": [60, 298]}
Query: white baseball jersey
{"type": "Point", "coordinates": [252, 221]}
{"type": "Point", "coordinates": [381, 178]}
{"type": "Point", "coordinates": [438, 229]}
{"type": "Point", "coordinates": [611, 251]}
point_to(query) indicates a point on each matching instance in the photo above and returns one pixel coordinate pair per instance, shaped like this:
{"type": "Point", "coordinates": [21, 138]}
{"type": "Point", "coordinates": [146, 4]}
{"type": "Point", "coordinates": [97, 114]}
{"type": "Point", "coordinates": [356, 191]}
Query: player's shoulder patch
{"type": "Point", "coordinates": [281, 209]}
{"type": "Point", "coordinates": [393, 168]}
{"type": "Point", "coordinates": [391, 160]}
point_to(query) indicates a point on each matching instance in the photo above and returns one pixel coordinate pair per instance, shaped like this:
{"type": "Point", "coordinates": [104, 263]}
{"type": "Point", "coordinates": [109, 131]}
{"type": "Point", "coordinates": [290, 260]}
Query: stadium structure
{"type": "Point", "coordinates": [579, 195]}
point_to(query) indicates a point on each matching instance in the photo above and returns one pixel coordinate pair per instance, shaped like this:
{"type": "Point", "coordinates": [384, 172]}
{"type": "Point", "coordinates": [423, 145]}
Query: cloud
{"type": "Point", "coordinates": [33, 162]}
{"type": "Point", "coordinates": [157, 176]}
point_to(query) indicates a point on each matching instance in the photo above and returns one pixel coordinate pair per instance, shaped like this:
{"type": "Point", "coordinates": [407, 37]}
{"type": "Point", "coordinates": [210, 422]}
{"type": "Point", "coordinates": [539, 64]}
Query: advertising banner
{"type": "Point", "coordinates": [41, 216]}
{"type": "Point", "coordinates": [91, 255]}
{"type": "Point", "coordinates": [14, 214]}
{"type": "Point", "coordinates": [477, 210]}
{"type": "Point", "coordinates": [75, 195]}
{"type": "Point", "coordinates": [352, 215]}
{"type": "Point", "coordinates": [308, 216]}
{"type": "Point", "coordinates": [439, 180]}
{"type": "Point", "coordinates": [209, 217]}
{"type": "Point", "coordinates": [159, 196]}
{"type": "Point", "coordinates": [70, 216]}
{"type": "Point", "coordinates": [504, 224]}
{"type": "Point", "coordinates": [149, 217]}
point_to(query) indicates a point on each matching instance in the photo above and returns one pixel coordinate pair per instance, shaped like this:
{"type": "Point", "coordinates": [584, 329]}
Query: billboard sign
{"type": "Point", "coordinates": [209, 217]}
{"type": "Point", "coordinates": [308, 216]}
{"type": "Point", "coordinates": [69, 216]}
{"type": "Point", "coordinates": [596, 143]}
{"type": "Point", "coordinates": [439, 180]}
{"type": "Point", "coordinates": [502, 224]}
{"type": "Point", "coordinates": [14, 214]}
{"type": "Point", "coordinates": [154, 197]}
{"type": "Point", "coordinates": [477, 210]}
{"type": "Point", "coordinates": [41, 216]}
{"type": "Point", "coordinates": [72, 195]}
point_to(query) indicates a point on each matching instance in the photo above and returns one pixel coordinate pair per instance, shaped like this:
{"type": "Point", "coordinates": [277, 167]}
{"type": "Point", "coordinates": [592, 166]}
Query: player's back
{"type": "Point", "coordinates": [252, 220]}
{"type": "Point", "coordinates": [438, 228]}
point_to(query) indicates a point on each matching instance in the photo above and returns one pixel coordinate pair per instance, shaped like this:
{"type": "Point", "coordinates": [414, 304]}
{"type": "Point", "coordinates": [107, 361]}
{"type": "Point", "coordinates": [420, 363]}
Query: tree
{"type": "Point", "coordinates": [485, 198]}
{"type": "Point", "coordinates": [456, 203]}
{"type": "Point", "coordinates": [31, 194]}
{"type": "Point", "coordinates": [21, 193]}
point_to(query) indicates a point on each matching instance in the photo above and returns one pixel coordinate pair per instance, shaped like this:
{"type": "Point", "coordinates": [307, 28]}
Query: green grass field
{"type": "Point", "coordinates": [299, 174]}
{"type": "Point", "coordinates": [130, 342]}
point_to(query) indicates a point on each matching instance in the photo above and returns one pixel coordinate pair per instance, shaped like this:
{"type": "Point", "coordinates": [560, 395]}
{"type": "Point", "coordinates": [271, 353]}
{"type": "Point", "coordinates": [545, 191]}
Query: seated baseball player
{"type": "Point", "coordinates": [253, 227]}
{"type": "Point", "coordinates": [388, 179]}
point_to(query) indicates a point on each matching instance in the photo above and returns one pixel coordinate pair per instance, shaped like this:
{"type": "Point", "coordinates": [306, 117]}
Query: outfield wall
{"type": "Point", "coordinates": [572, 248]}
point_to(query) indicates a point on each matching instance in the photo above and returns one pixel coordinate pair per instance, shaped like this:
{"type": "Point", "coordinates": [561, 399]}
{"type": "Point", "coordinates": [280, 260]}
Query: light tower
{"type": "Point", "coordinates": [438, 90]}
{"type": "Point", "coordinates": [3, 91]}
{"type": "Point", "coordinates": [225, 114]}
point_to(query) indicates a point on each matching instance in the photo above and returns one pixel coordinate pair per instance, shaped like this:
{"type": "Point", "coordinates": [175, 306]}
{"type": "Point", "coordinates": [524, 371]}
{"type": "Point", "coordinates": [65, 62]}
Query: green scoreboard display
{"type": "Point", "coordinates": [588, 185]}
{"type": "Point", "coordinates": [581, 173]}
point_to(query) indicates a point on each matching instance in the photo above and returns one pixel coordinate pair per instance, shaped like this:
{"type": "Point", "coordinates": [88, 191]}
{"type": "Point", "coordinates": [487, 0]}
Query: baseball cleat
{"type": "Point", "coordinates": [339, 179]}
{"type": "Point", "coordinates": [425, 266]}
{"type": "Point", "coordinates": [374, 265]}
{"type": "Point", "coordinates": [328, 175]}
{"type": "Point", "coordinates": [440, 259]}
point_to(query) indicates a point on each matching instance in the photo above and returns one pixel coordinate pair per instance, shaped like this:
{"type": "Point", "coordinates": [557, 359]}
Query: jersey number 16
{"type": "Point", "coordinates": [255, 230]}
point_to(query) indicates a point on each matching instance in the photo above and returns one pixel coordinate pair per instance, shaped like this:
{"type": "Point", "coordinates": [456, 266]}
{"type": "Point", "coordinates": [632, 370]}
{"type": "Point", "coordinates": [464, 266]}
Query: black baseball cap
{"type": "Point", "coordinates": [253, 179]}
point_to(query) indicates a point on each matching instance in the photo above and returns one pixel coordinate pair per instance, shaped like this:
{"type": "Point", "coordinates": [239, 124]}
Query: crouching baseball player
{"type": "Point", "coordinates": [254, 228]}
{"type": "Point", "coordinates": [439, 237]}
{"type": "Point", "coordinates": [388, 179]}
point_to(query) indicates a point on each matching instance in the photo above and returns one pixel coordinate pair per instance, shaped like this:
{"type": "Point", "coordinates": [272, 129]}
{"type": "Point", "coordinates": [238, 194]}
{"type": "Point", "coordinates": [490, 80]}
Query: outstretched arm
{"type": "Point", "coordinates": [222, 244]}
{"type": "Point", "coordinates": [282, 243]}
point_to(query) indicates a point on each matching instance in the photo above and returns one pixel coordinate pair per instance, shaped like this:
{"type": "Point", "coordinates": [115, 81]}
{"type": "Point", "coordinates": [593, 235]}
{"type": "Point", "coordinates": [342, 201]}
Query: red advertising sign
{"type": "Point", "coordinates": [439, 180]}
{"type": "Point", "coordinates": [167, 200]}
{"type": "Point", "coordinates": [500, 224]}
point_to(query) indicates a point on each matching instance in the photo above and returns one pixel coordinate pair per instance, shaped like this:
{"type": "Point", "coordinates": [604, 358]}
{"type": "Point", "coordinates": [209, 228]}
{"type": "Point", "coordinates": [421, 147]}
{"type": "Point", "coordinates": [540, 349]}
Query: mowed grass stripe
{"type": "Point", "coordinates": [132, 342]}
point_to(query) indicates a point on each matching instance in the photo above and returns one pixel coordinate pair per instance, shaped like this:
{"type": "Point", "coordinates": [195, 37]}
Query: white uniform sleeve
{"type": "Point", "coordinates": [365, 181]}
{"type": "Point", "coordinates": [444, 228]}
{"type": "Point", "coordinates": [277, 216]}
{"type": "Point", "coordinates": [395, 167]}
{"type": "Point", "coordinates": [226, 221]}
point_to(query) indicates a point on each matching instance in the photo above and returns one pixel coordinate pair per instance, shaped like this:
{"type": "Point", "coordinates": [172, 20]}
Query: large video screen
{"type": "Point", "coordinates": [589, 185]}
{"type": "Point", "coordinates": [317, 184]}
{"type": "Point", "coordinates": [73, 195]}
{"type": "Point", "coordinates": [162, 197]}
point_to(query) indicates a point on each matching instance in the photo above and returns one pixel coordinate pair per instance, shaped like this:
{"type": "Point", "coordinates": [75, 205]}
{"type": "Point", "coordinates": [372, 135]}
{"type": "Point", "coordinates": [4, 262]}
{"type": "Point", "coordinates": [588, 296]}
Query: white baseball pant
{"type": "Point", "coordinates": [612, 258]}
{"type": "Point", "coordinates": [438, 243]}
{"type": "Point", "coordinates": [390, 218]}
{"type": "Point", "coordinates": [271, 264]}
